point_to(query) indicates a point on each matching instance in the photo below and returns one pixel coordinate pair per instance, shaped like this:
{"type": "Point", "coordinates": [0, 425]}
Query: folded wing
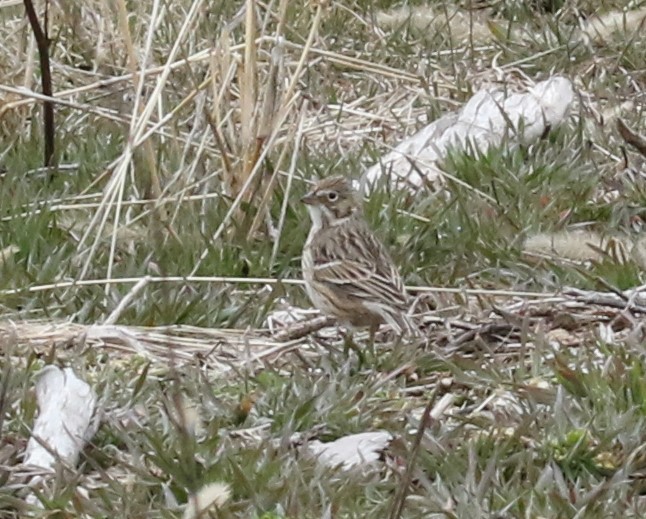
{"type": "Point", "coordinates": [357, 263]}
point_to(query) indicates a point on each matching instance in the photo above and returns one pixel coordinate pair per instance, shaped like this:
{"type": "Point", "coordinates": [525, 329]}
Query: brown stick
{"type": "Point", "coordinates": [42, 41]}
{"type": "Point", "coordinates": [632, 138]}
{"type": "Point", "coordinates": [300, 330]}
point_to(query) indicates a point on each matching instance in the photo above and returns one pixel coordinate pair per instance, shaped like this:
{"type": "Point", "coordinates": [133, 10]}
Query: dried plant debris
{"type": "Point", "coordinates": [222, 349]}
{"type": "Point", "coordinates": [630, 137]}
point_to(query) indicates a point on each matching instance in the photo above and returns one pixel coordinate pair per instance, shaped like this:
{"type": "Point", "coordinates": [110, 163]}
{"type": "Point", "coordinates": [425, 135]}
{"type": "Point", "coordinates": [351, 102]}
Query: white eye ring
{"type": "Point", "coordinates": [332, 196]}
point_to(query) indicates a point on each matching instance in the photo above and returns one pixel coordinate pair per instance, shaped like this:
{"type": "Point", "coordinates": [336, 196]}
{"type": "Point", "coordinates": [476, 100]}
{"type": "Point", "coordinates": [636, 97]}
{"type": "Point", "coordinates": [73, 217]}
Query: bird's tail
{"type": "Point", "coordinates": [401, 323]}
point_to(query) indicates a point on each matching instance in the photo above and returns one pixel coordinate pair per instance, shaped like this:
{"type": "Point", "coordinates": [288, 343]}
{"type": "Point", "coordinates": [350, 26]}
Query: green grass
{"type": "Point", "coordinates": [537, 428]}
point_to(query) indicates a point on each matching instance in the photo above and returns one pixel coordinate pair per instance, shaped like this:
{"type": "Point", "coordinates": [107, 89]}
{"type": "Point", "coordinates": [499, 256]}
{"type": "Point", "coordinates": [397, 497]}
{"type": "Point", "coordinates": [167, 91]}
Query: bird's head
{"type": "Point", "coordinates": [332, 201]}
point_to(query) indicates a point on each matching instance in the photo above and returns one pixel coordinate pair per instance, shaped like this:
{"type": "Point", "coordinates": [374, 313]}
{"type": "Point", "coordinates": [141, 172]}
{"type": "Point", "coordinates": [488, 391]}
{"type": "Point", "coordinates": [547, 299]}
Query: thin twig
{"type": "Point", "coordinates": [42, 41]}
{"type": "Point", "coordinates": [632, 138]}
{"type": "Point", "coordinates": [400, 497]}
{"type": "Point", "coordinates": [123, 304]}
{"type": "Point", "coordinates": [303, 329]}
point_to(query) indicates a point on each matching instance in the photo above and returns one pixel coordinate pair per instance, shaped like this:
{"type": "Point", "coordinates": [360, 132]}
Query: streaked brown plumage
{"type": "Point", "coordinates": [347, 271]}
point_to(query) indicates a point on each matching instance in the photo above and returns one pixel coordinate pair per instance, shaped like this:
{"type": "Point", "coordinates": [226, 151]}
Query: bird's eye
{"type": "Point", "coordinates": [332, 196]}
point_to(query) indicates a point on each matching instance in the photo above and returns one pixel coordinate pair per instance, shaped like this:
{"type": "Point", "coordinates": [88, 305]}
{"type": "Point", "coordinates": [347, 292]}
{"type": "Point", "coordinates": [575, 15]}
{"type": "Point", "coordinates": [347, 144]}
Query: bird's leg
{"type": "Point", "coordinates": [347, 341]}
{"type": "Point", "coordinates": [349, 344]}
{"type": "Point", "coordinates": [374, 327]}
{"type": "Point", "coordinates": [369, 347]}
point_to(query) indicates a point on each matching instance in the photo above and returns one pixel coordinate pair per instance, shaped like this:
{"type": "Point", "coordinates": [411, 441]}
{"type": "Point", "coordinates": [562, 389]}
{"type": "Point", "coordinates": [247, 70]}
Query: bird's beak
{"type": "Point", "coordinates": [309, 198]}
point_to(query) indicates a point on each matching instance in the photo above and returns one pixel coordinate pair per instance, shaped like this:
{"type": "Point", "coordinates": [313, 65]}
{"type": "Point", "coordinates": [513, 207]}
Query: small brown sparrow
{"type": "Point", "coordinates": [347, 271]}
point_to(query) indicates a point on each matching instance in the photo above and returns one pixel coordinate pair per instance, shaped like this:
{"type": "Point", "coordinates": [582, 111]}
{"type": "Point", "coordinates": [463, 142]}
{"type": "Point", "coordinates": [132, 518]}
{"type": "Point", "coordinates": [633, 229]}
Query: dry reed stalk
{"type": "Point", "coordinates": [225, 223]}
{"type": "Point", "coordinates": [154, 186]}
{"type": "Point", "coordinates": [222, 71]}
{"type": "Point", "coordinates": [26, 98]}
{"type": "Point", "coordinates": [262, 109]}
{"type": "Point", "coordinates": [115, 189]}
{"type": "Point", "coordinates": [238, 179]}
{"type": "Point", "coordinates": [251, 140]}
{"type": "Point", "coordinates": [268, 116]}
{"type": "Point", "coordinates": [265, 127]}
{"type": "Point", "coordinates": [16, 41]}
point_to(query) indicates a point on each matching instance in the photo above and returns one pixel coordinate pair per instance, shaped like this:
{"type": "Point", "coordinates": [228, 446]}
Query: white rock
{"type": "Point", "coordinates": [355, 450]}
{"type": "Point", "coordinates": [485, 120]}
{"type": "Point", "coordinates": [66, 406]}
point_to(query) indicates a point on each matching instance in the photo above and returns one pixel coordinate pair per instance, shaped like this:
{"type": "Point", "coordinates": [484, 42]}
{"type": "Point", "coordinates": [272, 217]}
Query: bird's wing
{"type": "Point", "coordinates": [358, 264]}
{"type": "Point", "coordinates": [358, 280]}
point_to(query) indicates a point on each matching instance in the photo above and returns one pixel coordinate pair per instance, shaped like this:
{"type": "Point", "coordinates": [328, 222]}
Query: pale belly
{"type": "Point", "coordinates": [307, 263]}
